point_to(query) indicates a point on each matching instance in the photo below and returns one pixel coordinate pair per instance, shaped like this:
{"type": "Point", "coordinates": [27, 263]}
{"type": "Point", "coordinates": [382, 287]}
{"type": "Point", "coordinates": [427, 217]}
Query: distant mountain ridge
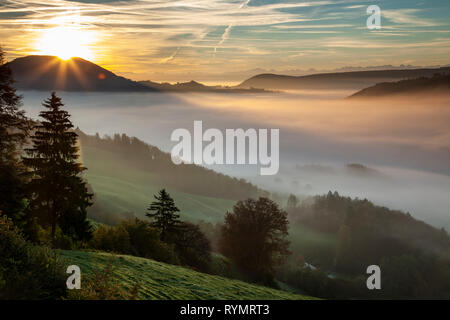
{"type": "Point", "coordinates": [49, 73]}
{"type": "Point", "coordinates": [356, 80]}
{"type": "Point", "coordinates": [194, 86]}
{"type": "Point", "coordinates": [438, 84]}
{"type": "Point", "coordinates": [184, 86]}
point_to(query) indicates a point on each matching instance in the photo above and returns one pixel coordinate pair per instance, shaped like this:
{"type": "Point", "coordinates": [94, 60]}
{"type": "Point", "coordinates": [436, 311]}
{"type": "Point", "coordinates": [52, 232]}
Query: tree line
{"type": "Point", "coordinates": [252, 237]}
{"type": "Point", "coordinates": [414, 257]}
{"type": "Point", "coordinates": [184, 177]}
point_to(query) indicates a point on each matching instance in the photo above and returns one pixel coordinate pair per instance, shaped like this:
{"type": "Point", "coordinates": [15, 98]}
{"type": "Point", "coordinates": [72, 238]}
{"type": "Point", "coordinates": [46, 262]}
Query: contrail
{"type": "Point", "coordinates": [226, 33]}
{"type": "Point", "coordinates": [170, 58]}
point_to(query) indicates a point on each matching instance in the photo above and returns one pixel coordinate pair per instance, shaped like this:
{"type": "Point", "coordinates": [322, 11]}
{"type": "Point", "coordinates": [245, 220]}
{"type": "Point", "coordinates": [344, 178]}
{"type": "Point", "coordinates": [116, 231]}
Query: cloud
{"type": "Point", "coordinates": [407, 17]}
{"type": "Point", "coordinates": [227, 31]}
{"type": "Point", "coordinates": [171, 57]}
{"type": "Point", "coordinates": [178, 36]}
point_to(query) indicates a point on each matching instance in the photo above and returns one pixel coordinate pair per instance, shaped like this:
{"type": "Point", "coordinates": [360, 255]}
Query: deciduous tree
{"type": "Point", "coordinates": [254, 237]}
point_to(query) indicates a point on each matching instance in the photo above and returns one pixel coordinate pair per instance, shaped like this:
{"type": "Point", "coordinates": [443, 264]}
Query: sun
{"type": "Point", "coordinates": [65, 43]}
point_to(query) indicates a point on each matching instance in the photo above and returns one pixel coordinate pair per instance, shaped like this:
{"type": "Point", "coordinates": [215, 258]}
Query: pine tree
{"type": "Point", "coordinates": [165, 215]}
{"type": "Point", "coordinates": [14, 127]}
{"type": "Point", "coordinates": [58, 195]}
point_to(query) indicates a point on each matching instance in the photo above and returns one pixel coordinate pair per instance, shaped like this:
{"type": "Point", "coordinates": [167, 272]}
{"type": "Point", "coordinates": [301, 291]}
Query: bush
{"type": "Point", "coordinates": [193, 247]}
{"type": "Point", "coordinates": [27, 271]}
{"type": "Point", "coordinates": [62, 241]}
{"type": "Point", "coordinates": [143, 238]}
{"type": "Point", "coordinates": [134, 237]}
{"type": "Point", "coordinates": [113, 239]}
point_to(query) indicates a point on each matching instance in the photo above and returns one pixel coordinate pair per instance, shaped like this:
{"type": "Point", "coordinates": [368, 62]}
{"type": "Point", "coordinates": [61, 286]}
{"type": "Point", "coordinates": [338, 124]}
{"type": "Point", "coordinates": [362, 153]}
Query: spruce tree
{"type": "Point", "coordinates": [14, 127]}
{"type": "Point", "coordinates": [58, 195]}
{"type": "Point", "coordinates": [163, 214]}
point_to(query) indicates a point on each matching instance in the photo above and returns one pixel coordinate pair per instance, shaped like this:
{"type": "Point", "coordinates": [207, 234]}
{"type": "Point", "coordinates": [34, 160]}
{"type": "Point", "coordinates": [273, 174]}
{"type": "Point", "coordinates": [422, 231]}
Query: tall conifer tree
{"type": "Point", "coordinates": [14, 126]}
{"type": "Point", "coordinates": [58, 195]}
{"type": "Point", "coordinates": [163, 214]}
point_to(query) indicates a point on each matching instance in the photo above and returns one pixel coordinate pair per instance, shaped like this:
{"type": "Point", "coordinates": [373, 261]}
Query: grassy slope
{"type": "Point", "coordinates": [120, 188]}
{"type": "Point", "coordinates": [163, 281]}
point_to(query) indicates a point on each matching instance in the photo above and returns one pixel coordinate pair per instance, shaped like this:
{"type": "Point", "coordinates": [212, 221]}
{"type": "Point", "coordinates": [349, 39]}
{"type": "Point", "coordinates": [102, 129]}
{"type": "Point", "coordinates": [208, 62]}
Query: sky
{"type": "Point", "coordinates": [227, 40]}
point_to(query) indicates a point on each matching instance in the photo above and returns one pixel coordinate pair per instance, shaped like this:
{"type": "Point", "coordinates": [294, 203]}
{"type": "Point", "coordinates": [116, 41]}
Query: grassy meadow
{"type": "Point", "coordinates": [162, 281]}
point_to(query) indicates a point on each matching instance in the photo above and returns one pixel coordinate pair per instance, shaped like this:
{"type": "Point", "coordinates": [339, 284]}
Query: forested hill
{"type": "Point", "coordinates": [437, 85]}
{"type": "Point", "coordinates": [189, 178]}
{"type": "Point", "coordinates": [367, 233]}
{"type": "Point", "coordinates": [356, 80]}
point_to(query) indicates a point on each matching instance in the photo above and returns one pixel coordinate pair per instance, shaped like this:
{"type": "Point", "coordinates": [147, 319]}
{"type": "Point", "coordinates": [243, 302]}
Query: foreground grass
{"type": "Point", "coordinates": [162, 281]}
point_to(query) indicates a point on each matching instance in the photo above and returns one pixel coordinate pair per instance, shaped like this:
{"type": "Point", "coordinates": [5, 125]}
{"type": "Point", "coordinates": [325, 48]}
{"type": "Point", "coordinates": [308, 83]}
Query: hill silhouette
{"type": "Point", "coordinates": [184, 86]}
{"type": "Point", "coordinates": [194, 86]}
{"type": "Point", "coordinates": [333, 81]}
{"type": "Point", "coordinates": [438, 84]}
{"type": "Point", "coordinates": [48, 73]}
{"type": "Point", "coordinates": [76, 74]}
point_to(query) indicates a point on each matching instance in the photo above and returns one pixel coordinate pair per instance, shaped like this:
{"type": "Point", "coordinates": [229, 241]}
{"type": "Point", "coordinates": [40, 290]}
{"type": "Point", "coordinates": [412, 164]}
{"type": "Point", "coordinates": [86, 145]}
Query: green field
{"type": "Point", "coordinates": [167, 282]}
{"type": "Point", "coordinates": [121, 188]}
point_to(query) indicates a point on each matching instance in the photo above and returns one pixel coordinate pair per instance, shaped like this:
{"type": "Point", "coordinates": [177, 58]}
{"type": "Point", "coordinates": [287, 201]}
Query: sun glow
{"type": "Point", "coordinates": [66, 42]}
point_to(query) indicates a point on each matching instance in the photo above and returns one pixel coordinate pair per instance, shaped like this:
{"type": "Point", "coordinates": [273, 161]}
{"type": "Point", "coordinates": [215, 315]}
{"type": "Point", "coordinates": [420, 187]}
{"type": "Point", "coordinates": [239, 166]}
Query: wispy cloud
{"type": "Point", "coordinates": [178, 36]}
{"type": "Point", "coordinates": [227, 31]}
{"type": "Point", "coordinates": [408, 17]}
{"type": "Point", "coordinates": [171, 57]}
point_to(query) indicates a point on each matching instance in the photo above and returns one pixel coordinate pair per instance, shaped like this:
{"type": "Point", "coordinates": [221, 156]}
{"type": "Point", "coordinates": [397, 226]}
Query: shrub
{"type": "Point", "coordinates": [113, 239]}
{"type": "Point", "coordinates": [62, 241]}
{"type": "Point", "coordinates": [193, 247]}
{"type": "Point", "coordinates": [143, 238]}
{"type": "Point", "coordinates": [27, 271]}
{"type": "Point", "coordinates": [134, 237]}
